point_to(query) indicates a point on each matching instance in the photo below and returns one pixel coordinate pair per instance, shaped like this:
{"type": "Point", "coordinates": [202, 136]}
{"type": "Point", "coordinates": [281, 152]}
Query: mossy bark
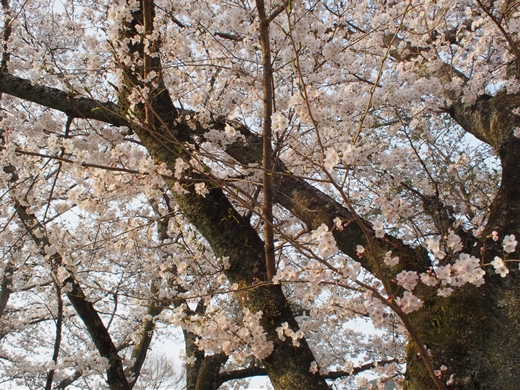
{"type": "Point", "coordinates": [474, 334]}
{"type": "Point", "coordinates": [231, 235]}
{"type": "Point", "coordinates": [227, 232]}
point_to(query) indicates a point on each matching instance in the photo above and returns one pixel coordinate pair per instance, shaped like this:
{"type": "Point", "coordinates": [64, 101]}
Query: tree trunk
{"type": "Point", "coordinates": [474, 331]}
{"type": "Point", "coordinates": [222, 226]}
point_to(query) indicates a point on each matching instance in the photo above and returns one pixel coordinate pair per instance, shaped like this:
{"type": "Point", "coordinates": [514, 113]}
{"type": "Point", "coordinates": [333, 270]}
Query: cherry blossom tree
{"type": "Point", "coordinates": [262, 175]}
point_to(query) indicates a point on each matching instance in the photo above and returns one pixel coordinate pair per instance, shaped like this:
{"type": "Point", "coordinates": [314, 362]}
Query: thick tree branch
{"type": "Point", "coordinates": [84, 308]}
{"type": "Point", "coordinates": [69, 103]}
{"type": "Point", "coordinates": [228, 234]}
{"type": "Point", "coordinates": [192, 351]}
{"type": "Point", "coordinates": [209, 378]}
{"type": "Point", "coordinates": [155, 307]}
{"type": "Point", "coordinates": [6, 35]}
{"type": "Point", "coordinates": [490, 119]}
{"type": "Point", "coordinates": [5, 286]}
{"type": "Point", "coordinates": [68, 381]}
{"type": "Point", "coordinates": [306, 202]}
{"type": "Point", "coordinates": [140, 350]}
{"type": "Point", "coordinates": [314, 207]}
{"type": "Point", "coordinates": [254, 371]}
{"type": "Point", "coordinates": [58, 337]}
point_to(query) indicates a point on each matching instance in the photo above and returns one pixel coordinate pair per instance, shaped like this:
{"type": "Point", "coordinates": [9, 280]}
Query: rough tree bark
{"type": "Point", "coordinates": [228, 233]}
{"type": "Point", "coordinates": [476, 342]}
{"type": "Point", "coordinates": [473, 332]}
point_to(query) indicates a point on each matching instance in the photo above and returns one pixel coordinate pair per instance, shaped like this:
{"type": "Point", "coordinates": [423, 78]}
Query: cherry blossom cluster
{"type": "Point", "coordinates": [326, 243]}
{"type": "Point", "coordinates": [353, 108]}
{"type": "Point", "coordinates": [285, 330]}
